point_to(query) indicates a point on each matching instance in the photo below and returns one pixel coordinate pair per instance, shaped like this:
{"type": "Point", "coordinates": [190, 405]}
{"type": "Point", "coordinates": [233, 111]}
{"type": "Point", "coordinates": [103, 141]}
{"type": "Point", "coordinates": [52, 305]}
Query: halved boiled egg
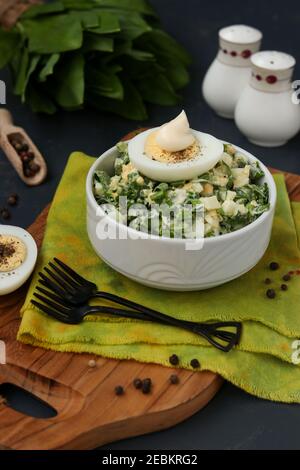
{"type": "Point", "coordinates": [174, 152]}
{"type": "Point", "coordinates": [18, 254]}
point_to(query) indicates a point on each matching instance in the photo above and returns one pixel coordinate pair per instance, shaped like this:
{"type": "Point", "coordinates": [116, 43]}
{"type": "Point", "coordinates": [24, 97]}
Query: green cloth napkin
{"type": "Point", "coordinates": [261, 365]}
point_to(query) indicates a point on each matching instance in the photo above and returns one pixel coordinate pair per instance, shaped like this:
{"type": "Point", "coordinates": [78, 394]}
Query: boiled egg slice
{"type": "Point", "coordinates": [174, 152]}
{"type": "Point", "coordinates": [18, 255]}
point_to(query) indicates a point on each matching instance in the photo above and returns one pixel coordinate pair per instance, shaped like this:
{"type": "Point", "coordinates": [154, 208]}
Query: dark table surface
{"type": "Point", "coordinates": [233, 420]}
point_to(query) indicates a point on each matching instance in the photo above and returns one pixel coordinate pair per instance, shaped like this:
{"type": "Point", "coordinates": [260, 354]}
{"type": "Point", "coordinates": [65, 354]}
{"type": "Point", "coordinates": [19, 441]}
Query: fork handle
{"type": "Point", "coordinates": [208, 331]}
{"type": "Point", "coordinates": [149, 312]}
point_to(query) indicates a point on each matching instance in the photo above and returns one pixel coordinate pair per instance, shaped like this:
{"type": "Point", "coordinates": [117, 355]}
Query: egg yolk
{"type": "Point", "coordinates": [12, 253]}
{"type": "Point", "coordinates": [153, 151]}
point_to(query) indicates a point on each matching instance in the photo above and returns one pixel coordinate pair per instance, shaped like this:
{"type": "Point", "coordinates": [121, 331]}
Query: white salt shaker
{"type": "Point", "coordinates": [230, 71]}
{"type": "Point", "coordinates": [265, 112]}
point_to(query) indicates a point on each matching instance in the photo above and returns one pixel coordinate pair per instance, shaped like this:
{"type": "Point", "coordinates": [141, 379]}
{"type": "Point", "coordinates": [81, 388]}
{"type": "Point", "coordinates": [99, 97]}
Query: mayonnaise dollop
{"type": "Point", "coordinates": [176, 135]}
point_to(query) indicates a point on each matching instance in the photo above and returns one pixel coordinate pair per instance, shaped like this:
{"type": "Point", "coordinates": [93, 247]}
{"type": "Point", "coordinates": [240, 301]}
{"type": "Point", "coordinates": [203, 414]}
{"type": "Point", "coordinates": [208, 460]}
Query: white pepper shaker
{"type": "Point", "coordinates": [266, 112]}
{"type": "Point", "coordinates": [230, 71]}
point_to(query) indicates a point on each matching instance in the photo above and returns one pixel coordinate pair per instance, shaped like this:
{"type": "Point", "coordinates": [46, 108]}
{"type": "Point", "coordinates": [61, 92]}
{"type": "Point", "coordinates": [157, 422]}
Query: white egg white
{"type": "Point", "coordinates": [12, 280]}
{"type": "Point", "coordinates": [211, 150]}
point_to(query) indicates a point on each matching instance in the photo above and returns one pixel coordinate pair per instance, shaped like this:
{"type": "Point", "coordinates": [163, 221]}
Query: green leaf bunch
{"type": "Point", "coordinates": [109, 54]}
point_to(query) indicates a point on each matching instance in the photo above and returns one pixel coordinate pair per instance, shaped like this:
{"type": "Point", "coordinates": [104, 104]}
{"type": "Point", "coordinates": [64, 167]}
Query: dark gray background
{"type": "Point", "coordinates": [233, 420]}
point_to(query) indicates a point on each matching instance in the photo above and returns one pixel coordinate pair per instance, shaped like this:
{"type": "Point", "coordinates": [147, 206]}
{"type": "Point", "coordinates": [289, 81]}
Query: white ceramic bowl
{"type": "Point", "coordinates": [165, 263]}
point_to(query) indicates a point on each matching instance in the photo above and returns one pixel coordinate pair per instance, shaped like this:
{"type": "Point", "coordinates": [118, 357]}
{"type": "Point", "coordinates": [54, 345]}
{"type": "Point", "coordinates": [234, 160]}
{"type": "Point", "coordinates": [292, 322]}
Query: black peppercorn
{"type": "Point", "coordinates": [30, 155]}
{"type": "Point", "coordinates": [286, 277]}
{"type": "Point", "coordinates": [5, 214]}
{"type": "Point", "coordinates": [24, 157]}
{"type": "Point", "coordinates": [146, 386]}
{"type": "Point", "coordinates": [13, 200]}
{"type": "Point", "coordinates": [268, 280]}
{"type": "Point", "coordinates": [28, 172]}
{"type": "Point", "coordinates": [174, 360]}
{"type": "Point", "coordinates": [24, 148]}
{"type": "Point", "coordinates": [273, 266]}
{"type": "Point", "coordinates": [34, 166]}
{"type": "Point", "coordinates": [195, 363]}
{"type": "Point", "coordinates": [17, 146]}
{"type": "Point", "coordinates": [174, 379]}
{"type": "Point", "coordinates": [119, 390]}
{"type": "Point", "coordinates": [137, 383]}
{"type": "Point", "coordinates": [271, 294]}
{"type": "Point", "coordinates": [284, 287]}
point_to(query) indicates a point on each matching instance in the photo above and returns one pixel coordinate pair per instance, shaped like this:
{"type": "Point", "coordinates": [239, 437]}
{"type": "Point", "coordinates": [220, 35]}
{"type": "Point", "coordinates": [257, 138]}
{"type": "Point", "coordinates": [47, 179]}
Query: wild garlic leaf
{"type": "Point", "coordinates": [48, 68]}
{"type": "Point", "coordinates": [21, 68]}
{"type": "Point", "coordinates": [158, 90]}
{"type": "Point", "coordinates": [87, 18]}
{"type": "Point", "coordinates": [120, 39]}
{"type": "Point", "coordinates": [132, 25]}
{"type": "Point", "coordinates": [9, 42]}
{"type": "Point", "coordinates": [158, 40]}
{"type": "Point", "coordinates": [94, 42]}
{"type": "Point", "coordinates": [174, 70]}
{"type": "Point", "coordinates": [141, 55]}
{"type": "Point", "coordinates": [39, 101]}
{"type": "Point", "coordinates": [104, 82]}
{"type": "Point", "coordinates": [131, 107]}
{"type": "Point", "coordinates": [51, 34]}
{"type": "Point", "coordinates": [107, 23]}
{"type": "Point", "coordinates": [33, 62]}
{"type": "Point", "coordinates": [69, 81]}
{"type": "Point", "coordinates": [139, 6]}
{"type": "Point", "coordinates": [79, 4]}
{"type": "Point", "coordinates": [45, 9]}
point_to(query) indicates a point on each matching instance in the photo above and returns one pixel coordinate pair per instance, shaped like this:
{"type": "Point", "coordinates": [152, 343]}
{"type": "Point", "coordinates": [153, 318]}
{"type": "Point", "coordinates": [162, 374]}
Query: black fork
{"type": "Point", "coordinates": [67, 288]}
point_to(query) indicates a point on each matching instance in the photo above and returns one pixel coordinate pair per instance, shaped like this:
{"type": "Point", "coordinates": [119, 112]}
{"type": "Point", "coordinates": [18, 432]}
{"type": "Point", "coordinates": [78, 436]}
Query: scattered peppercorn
{"type": "Point", "coordinates": [5, 214]}
{"type": "Point", "coordinates": [195, 363]}
{"type": "Point", "coordinates": [273, 266]}
{"type": "Point", "coordinates": [137, 383]}
{"type": "Point", "coordinates": [286, 277]}
{"type": "Point", "coordinates": [174, 379]}
{"type": "Point", "coordinates": [174, 360]}
{"type": "Point", "coordinates": [119, 390]}
{"type": "Point", "coordinates": [92, 363]}
{"type": "Point", "coordinates": [268, 280]}
{"type": "Point", "coordinates": [146, 386]}
{"type": "Point", "coordinates": [13, 199]}
{"type": "Point", "coordinates": [284, 287]}
{"type": "Point", "coordinates": [271, 294]}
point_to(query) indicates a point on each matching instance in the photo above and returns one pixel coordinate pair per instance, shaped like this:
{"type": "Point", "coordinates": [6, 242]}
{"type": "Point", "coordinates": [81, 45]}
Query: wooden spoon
{"type": "Point", "coordinates": [8, 133]}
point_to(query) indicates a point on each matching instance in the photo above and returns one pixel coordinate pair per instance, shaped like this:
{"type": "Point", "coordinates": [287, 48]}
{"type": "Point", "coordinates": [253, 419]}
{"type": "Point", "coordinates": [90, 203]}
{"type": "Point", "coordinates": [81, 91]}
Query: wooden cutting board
{"type": "Point", "coordinates": [88, 412]}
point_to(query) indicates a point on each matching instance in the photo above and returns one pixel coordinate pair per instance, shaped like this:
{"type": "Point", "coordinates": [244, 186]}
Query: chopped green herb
{"type": "Point", "coordinates": [237, 200]}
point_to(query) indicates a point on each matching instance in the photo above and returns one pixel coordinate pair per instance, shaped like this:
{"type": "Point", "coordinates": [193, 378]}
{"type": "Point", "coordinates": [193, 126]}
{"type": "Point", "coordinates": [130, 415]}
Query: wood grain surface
{"type": "Point", "coordinates": [88, 412]}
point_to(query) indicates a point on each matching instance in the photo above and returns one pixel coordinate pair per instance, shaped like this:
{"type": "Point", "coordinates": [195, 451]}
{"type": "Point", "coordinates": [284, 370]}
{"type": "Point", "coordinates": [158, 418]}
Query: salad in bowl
{"type": "Point", "coordinates": [180, 209]}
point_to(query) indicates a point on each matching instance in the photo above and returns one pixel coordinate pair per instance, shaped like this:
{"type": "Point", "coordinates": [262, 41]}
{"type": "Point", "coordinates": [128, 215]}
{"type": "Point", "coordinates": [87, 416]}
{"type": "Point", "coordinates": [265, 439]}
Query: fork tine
{"type": "Point", "coordinates": [59, 281]}
{"type": "Point", "coordinates": [64, 276]}
{"type": "Point", "coordinates": [52, 313]}
{"type": "Point", "coordinates": [59, 308]}
{"type": "Point", "coordinates": [52, 296]}
{"type": "Point", "coordinates": [72, 273]}
{"type": "Point", "coordinates": [51, 285]}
